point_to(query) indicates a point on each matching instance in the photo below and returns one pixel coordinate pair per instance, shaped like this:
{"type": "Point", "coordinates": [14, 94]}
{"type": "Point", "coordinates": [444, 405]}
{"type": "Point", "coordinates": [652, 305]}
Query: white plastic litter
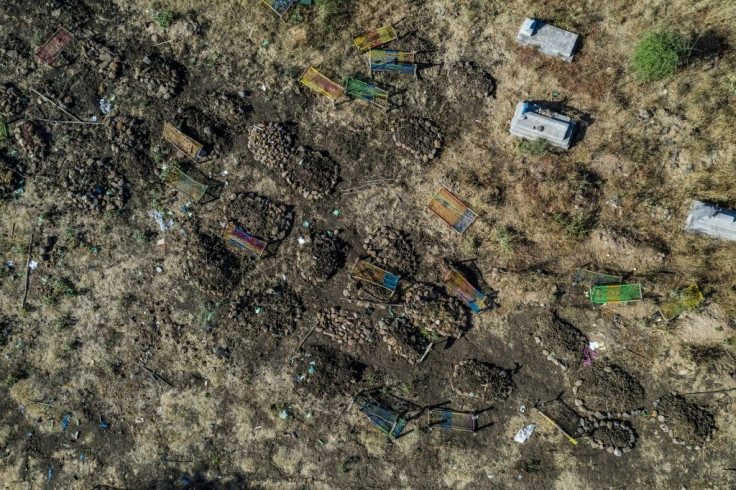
{"type": "Point", "coordinates": [524, 433]}
{"type": "Point", "coordinates": [522, 408]}
{"type": "Point", "coordinates": [105, 106]}
{"type": "Point", "coordinates": [158, 216]}
{"type": "Point", "coordinates": [301, 240]}
{"type": "Point", "coordinates": [593, 345]}
{"type": "Point", "coordinates": [33, 264]}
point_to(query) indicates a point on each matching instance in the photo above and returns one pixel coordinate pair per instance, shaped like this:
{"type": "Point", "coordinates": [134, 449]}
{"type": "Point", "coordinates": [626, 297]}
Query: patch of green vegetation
{"type": "Point", "coordinates": [534, 147]}
{"type": "Point", "coordinates": [430, 335]}
{"type": "Point", "coordinates": [347, 464]}
{"type": "Point", "coordinates": [327, 10]}
{"type": "Point", "coordinates": [532, 465]}
{"type": "Point", "coordinates": [659, 54]}
{"type": "Point", "coordinates": [576, 225]}
{"type": "Point", "coordinates": [64, 322]}
{"type": "Point", "coordinates": [10, 380]}
{"type": "Point", "coordinates": [163, 18]}
{"type": "Point", "coordinates": [504, 239]}
{"type": "Point", "coordinates": [56, 289]}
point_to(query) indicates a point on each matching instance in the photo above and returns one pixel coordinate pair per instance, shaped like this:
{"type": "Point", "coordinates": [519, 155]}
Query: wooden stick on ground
{"type": "Point", "coordinates": [709, 392]}
{"type": "Point", "coordinates": [155, 375]}
{"type": "Point", "coordinates": [426, 352]}
{"type": "Point", "coordinates": [28, 272]}
{"type": "Point", "coordinates": [305, 338]}
{"type": "Point", "coordinates": [57, 105]}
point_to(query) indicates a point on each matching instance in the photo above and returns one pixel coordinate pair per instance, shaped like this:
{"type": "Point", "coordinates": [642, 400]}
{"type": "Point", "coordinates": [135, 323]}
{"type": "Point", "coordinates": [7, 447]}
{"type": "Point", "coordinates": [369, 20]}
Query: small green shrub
{"type": "Point", "coordinates": [658, 55]}
{"type": "Point", "coordinates": [164, 18]}
{"type": "Point", "coordinates": [503, 239]}
{"type": "Point", "coordinates": [534, 147]}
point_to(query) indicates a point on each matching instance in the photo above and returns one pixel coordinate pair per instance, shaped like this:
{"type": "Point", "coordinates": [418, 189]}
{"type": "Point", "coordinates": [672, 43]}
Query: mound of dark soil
{"type": "Point", "coordinates": [274, 310]}
{"type": "Point", "coordinates": [271, 145]}
{"type": "Point", "coordinates": [320, 257]}
{"type": "Point", "coordinates": [392, 251]}
{"type": "Point", "coordinates": [420, 137]}
{"type": "Point", "coordinates": [12, 100]}
{"type": "Point", "coordinates": [687, 423]}
{"type": "Point", "coordinates": [609, 389]}
{"type": "Point", "coordinates": [31, 140]}
{"type": "Point", "coordinates": [324, 372]}
{"type": "Point", "coordinates": [312, 174]}
{"type": "Point", "coordinates": [433, 310]}
{"type": "Point", "coordinates": [344, 326]}
{"type": "Point", "coordinates": [562, 342]}
{"type": "Point", "coordinates": [481, 381]}
{"type": "Point", "coordinates": [210, 265]}
{"type": "Point", "coordinates": [95, 185]}
{"type": "Point", "coordinates": [264, 218]}
{"type": "Point", "coordinates": [472, 80]}
{"type": "Point", "coordinates": [403, 338]}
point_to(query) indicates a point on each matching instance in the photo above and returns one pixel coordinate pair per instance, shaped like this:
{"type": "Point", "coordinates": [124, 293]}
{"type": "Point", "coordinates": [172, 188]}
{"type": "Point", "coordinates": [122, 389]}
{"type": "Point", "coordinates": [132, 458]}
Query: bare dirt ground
{"type": "Point", "coordinates": [146, 351]}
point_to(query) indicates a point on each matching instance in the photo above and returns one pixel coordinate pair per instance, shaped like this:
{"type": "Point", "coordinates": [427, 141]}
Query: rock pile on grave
{"type": "Point", "coordinates": [392, 250]}
{"type": "Point", "coordinates": [403, 338]}
{"type": "Point", "coordinates": [94, 185]}
{"type": "Point", "coordinates": [160, 77]}
{"type": "Point", "coordinates": [433, 310]}
{"type": "Point", "coordinates": [344, 327]}
{"type": "Point", "coordinates": [125, 134]}
{"type": "Point", "coordinates": [102, 58]}
{"type": "Point", "coordinates": [12, 101]}
{"type": "Point", "coordinates": [420, 137]}
{"type": "Point", "coordinates": [311, 173]}
{"type": "Point", "coordinates": [615, 436]}
{"type": "Point", "coordinates": [271, 145]}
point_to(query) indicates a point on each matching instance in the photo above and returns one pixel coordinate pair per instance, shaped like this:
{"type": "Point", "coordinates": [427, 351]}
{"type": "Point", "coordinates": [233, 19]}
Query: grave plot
{"type": "Point", "coordinates": [267, 219]}
{"type": "Point", "coordinates": [31, 139]}
{"type": "Point", "coordinates": [12, 100]}
{"type": "Point", "coordinates": [616, 437]}
{"type": "Point", "coordinates": [205, 128]}
{"type": "Point", "coordinates": [392, 250]}
{"type": "Point", "coordinates": [127, 134]}
{"type": "Point", "coordinates": [686, 423]}
{"type": "Point", "coordinates": [562, 417]}
{"type": "Point", "coordinates": [345, 327]}
{"type": "Point", "coordinates": [420, 137]}
{"type": "Point", "coordinates": [471, 81]}
{"type": "Point", "coordinates": [607, 391]}
{"type": "Point", "coordinates": [275, 310]}
{"type": "Point", "coordinates": [435, 312]}
{"type": "Point", "coordinates": [271, 145]}
{"type": "Point", "coordinates": [481, 381]}
{"type": "Point", "coordinates": [96, 53]}
{"type": "Point", "coordinates": [324, 372]}
{"type": "Point", "coordinates": [403, 338]}
{"type": "Point", "coordinates": [95, 185]}
{"type": "Point", "coordinates": [312, 174]}
{"type": "Point", "coordinates": [321, 256]}
{"type": "Point", "coordinates": [159, 76]}
{"type": "Point", "coordinates": [561, 343]}
{"type": "Point", "coordinates": [209, 264]}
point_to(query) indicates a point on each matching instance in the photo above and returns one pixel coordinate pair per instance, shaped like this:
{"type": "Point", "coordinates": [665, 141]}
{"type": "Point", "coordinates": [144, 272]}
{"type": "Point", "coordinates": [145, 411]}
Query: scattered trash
{"type": "Point", "coordinates": [522, 408]}
{"type": "Point", "coordinates": [258, 427]}
{"type": "Point", "coordinates": [33, 264]}
{"type": "Point", "coordinates": [81, 457]}
{"type": "Point", "coordinates": [104, 425]}
{"type": "Point", "coordinates": [305, 224]}
{"type": "Point", "coordinates": [290, 434]}
{"type": "Point", "coordinates": [50, 474]}
{"type": "Point", "coordinates": [93, 118]}
{"type": "Point", "coordinates": [158, 217]}
{"type": "Point", "coordinates": [159, 269]}
{"type": "Point", "coordinates": [336, 212]}
{"type": "Point", "coordinates": [593, 345]}
{"type": "Point", "coordinates": [258, 310]}
{"type": "Point", "coordinates": [320, 442]}
{"type": "Point", "coordinates": [524, 433]}
{"type": "Point", "coordinates": [284, 414]}
{"type": "Point", "coordinates": [106, 105]}
{"type": "Point", "coordinates": [65, 421]}
{"type": "Point", "coordinates": [589, 354]}
{"type": "Point", "coordinates": [184, 480]}
{"type": "Point", "coordinates": [301, 240]}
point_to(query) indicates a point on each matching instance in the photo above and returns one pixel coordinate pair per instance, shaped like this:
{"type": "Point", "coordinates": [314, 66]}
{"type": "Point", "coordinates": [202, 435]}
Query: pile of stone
{"type": "Point", "coordinates": [159, 76]}
{"type": "Point", "coordinates": [616, 437]}
{"type": "Point", "coordinates": [125, 134]}
{"type": "Point", "coordinates": [392, 250]}
{"type": "Point", "coordinates": [95, 186]}
{"type": "Point", "coordinates": [344, 327]}
{"type": "Point", "coordinates": [433, 310]}
{"type": "Point", "coordinates": [420, 137]}
{"type": "Point", "coordinates": [102, 57]}
{"type": "Point", "coordinates": [271, 145]}
{"type": "Point", "coordinates": [12, 100]}
{"type": "Point", "coordinates": [29, 138]}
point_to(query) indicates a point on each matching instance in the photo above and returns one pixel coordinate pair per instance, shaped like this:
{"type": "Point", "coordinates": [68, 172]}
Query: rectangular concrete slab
{"type": "Point", "coordinates": [530, 121]}
{"type": "Point", "coordinates": [711, 220]}
{"type": "Point", "coordinates": [549, 39]}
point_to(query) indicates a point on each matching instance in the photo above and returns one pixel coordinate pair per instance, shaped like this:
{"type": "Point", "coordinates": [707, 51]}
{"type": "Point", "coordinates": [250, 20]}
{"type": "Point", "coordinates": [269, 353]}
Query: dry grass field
{"type": "Point", "coordinates": [142, 350]}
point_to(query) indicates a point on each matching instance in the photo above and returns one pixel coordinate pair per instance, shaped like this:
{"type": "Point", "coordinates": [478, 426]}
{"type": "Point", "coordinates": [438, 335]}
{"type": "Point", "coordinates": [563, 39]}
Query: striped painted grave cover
{"type": "Point", "coordinates": [182, 182]}
{"type": "Point", "coordinates": [244, 240]}
{"type": "Point", "coordinates": [390, 423]}
{"type": "Point", "coordinates": [451, 210]}
{"type": "Point", "coordinates": [452, 420]}
{"type": "Point", "coordinates": [456, 283]}
{"type": "Point", "coordinates": [181, 141]}
{"type": "Point", "coordinates": [618, 293]}
{"type": "Point", "coordinates": [54, 46]}
{"type": "Point", "coordinates": [321, 84]}
{"type": "Point", "coordinates": [375, 38]}
{"type": "Point", "coordinates": [374, 274]}
{"type": "Point", "coordinates": [393, 60]}
{"type": "Point", "coordinates": [279, 6]}
{"type": "Point", "coordinates": [366, 91]}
